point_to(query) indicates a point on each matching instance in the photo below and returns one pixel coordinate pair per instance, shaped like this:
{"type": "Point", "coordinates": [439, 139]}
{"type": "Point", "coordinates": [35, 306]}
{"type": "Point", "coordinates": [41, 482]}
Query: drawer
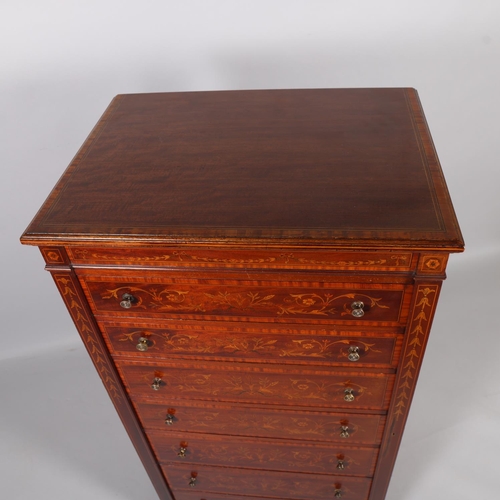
{"type": "Point", "coordinates": [273, 385]}
{"type": "Point", "coordinates": [191, 295]}
{"type": "Point", "coordinates": [194, 495]}
{"type": "Point", "coordinates": [247, 259]}
{"type": "Point", "coordinates": [289, 485]}
{"type": "Point", "coordinates": [269, 454]}
{"type": "Point", "coordinates": [255, 421]}
{"type": "Point", "coordinates": [246, 342]}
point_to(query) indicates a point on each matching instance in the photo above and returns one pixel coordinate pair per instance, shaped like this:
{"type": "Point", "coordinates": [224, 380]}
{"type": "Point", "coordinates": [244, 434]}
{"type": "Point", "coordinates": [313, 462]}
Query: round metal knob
{"type": "Point", "coordinates": [340, 465]}
{"type": "Point", "coordinates": [192, 479]}
{"type": "Point", "coordinates": [349, 395]}
{"type": "Point", "coordinates": [169, 419]}
{"type": "Point", "coordinates": [338, 493]}
{"type": "Point", "coordinates": [156, 384]}
{"type": "Point", "coordinates": [182, 450]}
{"type": "Point", "coordinates": [357, 309]}
{"type": "Point", "coordinates": [344, 431]}
{"type": "Point", "coordinates": [127, 300]}
{"type": "Point", "coordinates": [142, 345]}
{"type": "Point", "coordinates": [353, 353]}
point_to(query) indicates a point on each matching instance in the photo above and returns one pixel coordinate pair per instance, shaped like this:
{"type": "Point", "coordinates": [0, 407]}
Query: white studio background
{"type": "Point", "coordinates": [62, 61]}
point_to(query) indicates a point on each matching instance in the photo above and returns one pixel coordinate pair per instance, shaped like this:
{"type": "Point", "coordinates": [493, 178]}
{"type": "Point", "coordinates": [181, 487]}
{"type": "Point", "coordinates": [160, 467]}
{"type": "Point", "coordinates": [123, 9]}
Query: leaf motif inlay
{"type": "Point", "coordinates": [255, 387]}
{"type": "Point", "coordinates": [76, 308]}
{"type": "Point", "coordinates": [282, 304]}
{"type": "Point", "coordinates": [417, 331]}
{"type": "Point", "coordinates": [396, 260]}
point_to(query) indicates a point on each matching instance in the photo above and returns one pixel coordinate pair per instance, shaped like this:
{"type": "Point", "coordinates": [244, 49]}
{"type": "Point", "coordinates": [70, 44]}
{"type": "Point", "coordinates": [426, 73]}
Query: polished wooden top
{"type": "Point", "coordinates": [343, 167]}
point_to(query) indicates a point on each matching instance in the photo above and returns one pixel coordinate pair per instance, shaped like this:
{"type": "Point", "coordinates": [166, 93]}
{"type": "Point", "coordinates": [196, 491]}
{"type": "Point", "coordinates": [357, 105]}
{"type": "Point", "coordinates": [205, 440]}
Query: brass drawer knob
{"type": "Point", "coordinates": [349, 395]}
{"type": "Point", "coordinates": [353, 353]}
{"type": "Point", "coordinates": [344, 431]}
{"type": "Point", "coordinates": [169, 419]}
{"type": "Point", "coordinates": [156, 384]}
{"type": "Point", "coordinates": [192, 479]}
{"type": "Point", "coordinates": [357, 309]}
{"type": "Point", "coordinates": [127, 301]}
{"type": "Point", "coordinates": [142, 345]}
{"type": "Point", "coordinates": [182, 450]}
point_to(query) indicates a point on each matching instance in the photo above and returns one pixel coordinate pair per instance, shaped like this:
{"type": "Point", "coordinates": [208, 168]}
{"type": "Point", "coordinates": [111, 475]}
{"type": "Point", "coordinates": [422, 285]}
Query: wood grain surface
{"type": "Point", "coordinates": [243, 383]}
{"type": "Point", "coordinates": [261, 421]}
{"type": "Point", "coordinates": [262, 344]}
{"type": "Point", "coordinates": [269, 454]}
{"type": "Point", "coordinates": [265, 484]}
{"type": "Point", "coordinates": [292, 165]}
{"type": "Point", "coordinates": [245, 225]}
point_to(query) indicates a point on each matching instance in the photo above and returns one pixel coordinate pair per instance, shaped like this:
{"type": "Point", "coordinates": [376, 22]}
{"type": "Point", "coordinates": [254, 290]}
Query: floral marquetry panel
{"type": "Point", "coordinates": [432, 264]}
{"type": "Point", "coordinates": [259, 345]}
{"type": "Point", "coordinates": [327, 389]}
{"type": "Point", "coordinates": [284, 301]}
{"type": "Point", "coordinates": [230, 451]}
{"type": "Point", "coordinates": [55, 256]}
{"type": "Point", "coordinates": [220, 418]}
{"type": "Point", "coordinates": [194, 495]}
{"type": "Point", "coordinates": [266, 484]}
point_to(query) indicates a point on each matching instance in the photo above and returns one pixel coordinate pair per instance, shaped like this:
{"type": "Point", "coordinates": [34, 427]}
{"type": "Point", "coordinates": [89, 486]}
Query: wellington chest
{"type": "Point", "coordinates": [254, 275]}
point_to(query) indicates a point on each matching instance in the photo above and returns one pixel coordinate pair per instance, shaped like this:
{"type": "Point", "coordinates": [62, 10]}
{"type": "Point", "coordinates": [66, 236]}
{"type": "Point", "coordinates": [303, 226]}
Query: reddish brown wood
{"type": "Point", "coordinates": [270, 454]}
{"type": "Point", "coordinates": [74, 300]}
{"type": "Point", "coordinates": [264, 484]}
{"type": "Point", "coordinates": [194, 495]}
{"type": "Point", "coordinates": [259, 344]}
{"type": "Point", "coordinates": [424, 306]}
{"type": "Point", "coordinates": [239, 383]}
{"type": "Point", "coordinates": [246, 224]}
{"type": "Point", "coordinates": [234, 258]}
{"type": "Point", "coordinates": [310, 166]}
{"type": "Point", "coordinates": [262, 421]}
{"type": "Point", "coordinates": [203, 299]}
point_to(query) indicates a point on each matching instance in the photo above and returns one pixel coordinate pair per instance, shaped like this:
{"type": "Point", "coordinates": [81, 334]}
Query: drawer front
{"type": "Point", "coordinates": [200, 298]}
{"type": "Point", "coordinates": [290, 485]}
{"type": "Point", "coordinates": [247, 259]}
{"type": "Point", "coordinates": [279, 455]}
{"type": "Point", "coordinates": [247, 343]}
{"type": "Point", "coordinates": [273, 385]}
{"type": "Point", "coordinates": [254, 421]}
{"type": "Point", "coordinates": [194, 495]}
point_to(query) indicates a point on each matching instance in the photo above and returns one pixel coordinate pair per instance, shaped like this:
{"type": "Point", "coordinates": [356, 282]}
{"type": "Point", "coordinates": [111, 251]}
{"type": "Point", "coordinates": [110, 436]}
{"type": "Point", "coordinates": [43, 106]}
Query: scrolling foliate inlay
{"type": "Point", "coordinates": [237, 258]}
{"type": "Point", "coordinates": [315, 304]}
{"type": "Point", "coordinates": [319, 427]}
{"type": "Point", "coordinates": [295, 458]}
{"type": "Point", "coordinates": [82, 321]}
{"type": "Point", "coordinates": [302, 426]}
{"type": "Point", "coordinates": [258, 387]}
{"type": "Point", "coordinates": [184, 343]}
{"type": "Point", "coordinates": [274, 485]}
{"type": "Point", "coordinates": [321, 348]}
{"type": "Point", "coordinates": [418, 329]}
{"type": "Point", "coordinates": [197, 344]}
{"type": "Point", "coordinates": [279, 303]}
{"type": "Point", "coordinates": [312, 427]}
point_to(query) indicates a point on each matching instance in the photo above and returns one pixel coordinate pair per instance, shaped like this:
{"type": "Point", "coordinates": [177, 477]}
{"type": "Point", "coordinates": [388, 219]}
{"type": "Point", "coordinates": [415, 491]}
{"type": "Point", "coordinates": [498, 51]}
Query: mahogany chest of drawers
{"type": "Point", "coordinates": [254, 275]}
